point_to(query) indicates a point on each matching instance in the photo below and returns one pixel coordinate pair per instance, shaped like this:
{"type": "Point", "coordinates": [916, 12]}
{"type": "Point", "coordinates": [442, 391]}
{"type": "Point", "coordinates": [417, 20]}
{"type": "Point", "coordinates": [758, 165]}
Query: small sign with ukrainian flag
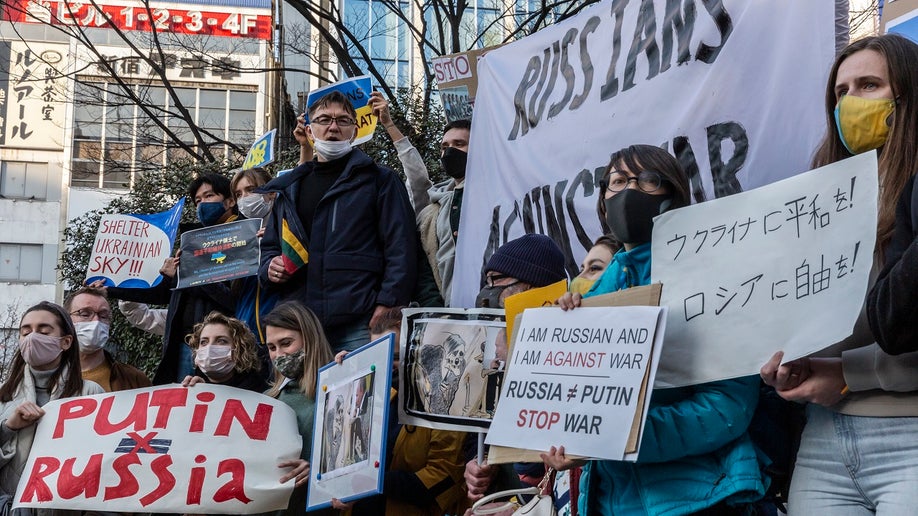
{"type": "Point", "coordinates": [357, 90]}
{"type": "Point", "coordinates": [262, 151]}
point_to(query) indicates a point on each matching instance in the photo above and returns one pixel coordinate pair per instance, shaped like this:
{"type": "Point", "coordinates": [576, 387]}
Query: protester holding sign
{"type": "Point", "coordinates": [252, 302]}
{"type": "Point", "coordinates": [214, 204]}
{"type": "Point", "coordinates": [45, 367]}
{"type": "Point", "coordinates": [341, 238]}
{"type": "Point", "coordinates": [225, 354]}
{"type": "Point", "coordinates": [298, 347]}
{"type": "Point", "coordinates": [871, 103]}
{"type": "Point", "coordinates": [695, 453]}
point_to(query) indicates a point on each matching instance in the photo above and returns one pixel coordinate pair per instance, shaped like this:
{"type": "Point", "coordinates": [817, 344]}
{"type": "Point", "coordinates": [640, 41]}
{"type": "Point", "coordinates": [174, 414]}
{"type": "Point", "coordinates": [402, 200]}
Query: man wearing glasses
{"type": "Point", "coordinates": [92, 317]}
{"type": "Point", "coordinates": [341, 237]}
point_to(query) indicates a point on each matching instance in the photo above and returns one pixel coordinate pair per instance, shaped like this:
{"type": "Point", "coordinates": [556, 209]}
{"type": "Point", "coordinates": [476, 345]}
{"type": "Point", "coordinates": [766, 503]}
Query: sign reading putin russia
{"type": "Point", "coordinates": [168, 449]}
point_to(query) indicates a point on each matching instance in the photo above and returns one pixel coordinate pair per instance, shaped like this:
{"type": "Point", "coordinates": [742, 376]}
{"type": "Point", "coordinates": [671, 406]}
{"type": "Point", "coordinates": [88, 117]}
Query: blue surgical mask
{"type": "Point", "coordinates": [209, 213]}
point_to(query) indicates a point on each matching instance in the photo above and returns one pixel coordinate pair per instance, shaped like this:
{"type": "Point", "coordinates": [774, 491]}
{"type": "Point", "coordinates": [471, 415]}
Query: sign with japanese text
{"type": "Point", "coordinates": [170, 449]}
{"type": "Point", "coordinates": [575, 379]}
{"type": "Point", "coordinates": [357, 90]}
{"type": "Point", "coordinates": [34, 99]}
{"type": "Point", "coordinates": [219, 253]}
{"type": "Point", "coordinates": [723, 86]}
{"type": "Point", "coordinates": [167, 17]}
{"type": "Point", "coordinates": [129, 250]}
{"type": "Point", "coordinates": [261, 153]}
{"type": "Point", "coordinates": [782, 267]}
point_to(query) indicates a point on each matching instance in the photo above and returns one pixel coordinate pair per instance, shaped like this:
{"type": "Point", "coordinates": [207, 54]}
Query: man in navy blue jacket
{"type": "Point", "coordinates": [341, 237]}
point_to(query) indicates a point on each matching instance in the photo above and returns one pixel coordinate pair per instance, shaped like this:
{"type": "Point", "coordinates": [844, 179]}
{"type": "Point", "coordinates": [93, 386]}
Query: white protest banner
{"type": "Point", "coordinates": [129, 250]}
{"type": "Point", "coordinates": [169, 449]}
{"type": "Point", "coordinates": [575, 379]}
{"type": "Point", "coordinates": [783, 267]}
{"type": "Point", "coordinates": [733, 88]}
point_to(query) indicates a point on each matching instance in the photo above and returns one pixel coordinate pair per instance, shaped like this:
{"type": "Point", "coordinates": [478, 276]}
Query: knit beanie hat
{"type": "Point", "coordinates": [534, 259]}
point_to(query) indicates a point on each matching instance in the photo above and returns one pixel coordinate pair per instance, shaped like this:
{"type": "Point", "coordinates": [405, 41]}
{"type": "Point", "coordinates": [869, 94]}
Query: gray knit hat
{"type": "Point", "coordinates": [534, 259]}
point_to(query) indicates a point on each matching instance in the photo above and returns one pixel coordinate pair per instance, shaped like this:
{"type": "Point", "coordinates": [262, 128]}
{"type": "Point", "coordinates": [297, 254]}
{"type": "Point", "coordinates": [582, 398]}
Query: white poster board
{"type": "Point", "coordinates": [575, 380]}
{"type": "Point", "coordinates": [208, 448]}
{"type": "Point", "coordinates": [736, 93]}
{"type": "Point", "coordinates": [352, 414]}
{"type": "Point", "coordinates": [451, 367]}
{"type": "Point", "coordinates": [782, 267]}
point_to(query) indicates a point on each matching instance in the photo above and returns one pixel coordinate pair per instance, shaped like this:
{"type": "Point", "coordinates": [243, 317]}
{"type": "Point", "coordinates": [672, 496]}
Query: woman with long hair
{"type": "Point", "coordinates": [855, 455]}
{"type": "Point", "coordinates": [45, 367]}
{"type": "Point", "coordinates": [298, 348]}
{"type": "Point", "coordinates": [696, 455]}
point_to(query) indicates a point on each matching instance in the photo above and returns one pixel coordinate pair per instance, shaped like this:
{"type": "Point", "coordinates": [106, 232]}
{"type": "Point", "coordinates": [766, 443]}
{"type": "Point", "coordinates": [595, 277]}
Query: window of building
{"type": "Point", "coordinates": [114, 140]}
{"type": "Point", "coordinates": [21, 180]}
{"type": "Point", "coordinates": [20, 263]}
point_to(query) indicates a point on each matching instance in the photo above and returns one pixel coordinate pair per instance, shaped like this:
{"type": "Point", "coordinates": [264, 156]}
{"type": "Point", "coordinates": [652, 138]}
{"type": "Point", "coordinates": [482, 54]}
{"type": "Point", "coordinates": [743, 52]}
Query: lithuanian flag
{"type": "Point", "coordinates": [292, 250]}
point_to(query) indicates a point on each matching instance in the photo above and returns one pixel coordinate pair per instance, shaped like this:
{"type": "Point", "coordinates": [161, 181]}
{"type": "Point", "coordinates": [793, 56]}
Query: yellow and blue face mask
{"type": "Point", "coordinates": [863, 124]}
{"type": "Point", "coordinates": [581, 285]}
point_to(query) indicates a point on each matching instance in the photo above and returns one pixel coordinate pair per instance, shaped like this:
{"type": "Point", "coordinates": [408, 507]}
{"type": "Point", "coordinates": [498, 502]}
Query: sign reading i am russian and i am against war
{"type": "Point", "coordinates": [579, 378]}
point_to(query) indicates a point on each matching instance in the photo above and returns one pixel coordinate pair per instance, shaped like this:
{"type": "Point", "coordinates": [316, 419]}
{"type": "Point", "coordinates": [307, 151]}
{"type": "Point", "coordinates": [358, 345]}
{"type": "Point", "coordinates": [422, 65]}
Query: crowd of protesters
{"type": "Point", "coordinates": [345, 244]}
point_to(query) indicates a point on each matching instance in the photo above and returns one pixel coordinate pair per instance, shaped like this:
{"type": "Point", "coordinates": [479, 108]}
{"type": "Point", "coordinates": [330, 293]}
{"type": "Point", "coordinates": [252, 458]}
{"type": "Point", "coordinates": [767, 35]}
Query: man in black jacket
{"type": "Point", "coordinates": [341, 237]}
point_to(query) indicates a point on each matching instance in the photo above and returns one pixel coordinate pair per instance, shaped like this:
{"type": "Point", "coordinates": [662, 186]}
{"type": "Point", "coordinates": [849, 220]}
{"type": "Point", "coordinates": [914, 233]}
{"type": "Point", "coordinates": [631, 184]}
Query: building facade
{"type": "Point", "coordinates": [92, 97]}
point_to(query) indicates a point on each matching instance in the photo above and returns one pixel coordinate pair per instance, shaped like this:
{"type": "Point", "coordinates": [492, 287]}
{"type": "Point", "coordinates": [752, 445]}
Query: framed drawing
{"type": "Point", "coordinates": [349, 444]}
{"type": "Point", "coordinates": [451, 368]}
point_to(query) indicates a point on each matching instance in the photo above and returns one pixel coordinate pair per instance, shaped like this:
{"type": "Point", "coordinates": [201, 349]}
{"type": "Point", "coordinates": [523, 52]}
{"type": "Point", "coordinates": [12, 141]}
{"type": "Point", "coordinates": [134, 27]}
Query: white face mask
{"type": "Point", "coordinates": [92, 335]}
{"type": "Point", "coordinates": [215, 360]}
{"type": "Point", "coordinates": [332, 150]}
{"type": "Point", "coordinates": [254, 206]}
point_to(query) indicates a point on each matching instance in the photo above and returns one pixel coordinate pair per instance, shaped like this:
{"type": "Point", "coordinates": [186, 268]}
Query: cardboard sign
{"type": "Point", "coordinates": [129, 250]}
{"type": "Point", "coordinates": [457, 79]}
{"type": "Point", "coordinates": [357, 90]}
{"type": "Point", "coordinates": [782, 267]}
{"type": "Point", "coordinates": [576, 378]}
{"type": "Point", "coordinates": [219, 253]}
{"type": "Point", "coordinates": [532, 298]}
{"type": "Point", "coordinates": [169, 449]}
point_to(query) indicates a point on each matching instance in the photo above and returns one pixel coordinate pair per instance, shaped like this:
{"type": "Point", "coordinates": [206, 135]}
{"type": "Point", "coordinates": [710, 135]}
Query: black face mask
{"type": "Point", "coordinates": [489, 297]}
{"type": "Point", "coordinates": [630, 214]}
{"type": "Point", "coordinates": [453, 162]}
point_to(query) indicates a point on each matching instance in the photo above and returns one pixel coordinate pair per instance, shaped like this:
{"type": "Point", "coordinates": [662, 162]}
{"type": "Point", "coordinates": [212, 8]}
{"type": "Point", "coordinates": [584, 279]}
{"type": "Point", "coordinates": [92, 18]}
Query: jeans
{"type": "Point", "coordinates": [348, 337]}
{"type": "Point", "coordinates": [855, 465]}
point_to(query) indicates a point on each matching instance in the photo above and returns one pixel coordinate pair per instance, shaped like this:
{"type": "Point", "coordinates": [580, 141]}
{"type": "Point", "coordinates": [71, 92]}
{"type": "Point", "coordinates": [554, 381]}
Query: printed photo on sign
{"type": "Point", "coordinates": [351, 424]}
{"type": "Point", "coordinates": [219, 253]}
{"type": "Point", "coordinates": [207, 449]}
{"type": "Point", "coordinates": [452, 364]}
{"type": "Point", "coordinates": [346, 433]}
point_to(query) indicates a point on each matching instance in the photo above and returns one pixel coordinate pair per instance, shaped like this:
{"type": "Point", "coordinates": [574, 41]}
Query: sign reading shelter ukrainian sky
{"type": "Point", "coordinates": [734, 89]}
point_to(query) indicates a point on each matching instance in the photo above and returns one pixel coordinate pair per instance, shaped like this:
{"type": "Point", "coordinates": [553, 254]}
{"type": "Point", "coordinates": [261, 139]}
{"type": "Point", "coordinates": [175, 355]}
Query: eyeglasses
{"type": "Point", "coordinates": [86, 314]}
{"type": "Point", "coordinates": [648, 181]}
{"type": "Point", "coordinates": [489, 281]}
{"type": "Point", "coordinates": [342, 121]}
